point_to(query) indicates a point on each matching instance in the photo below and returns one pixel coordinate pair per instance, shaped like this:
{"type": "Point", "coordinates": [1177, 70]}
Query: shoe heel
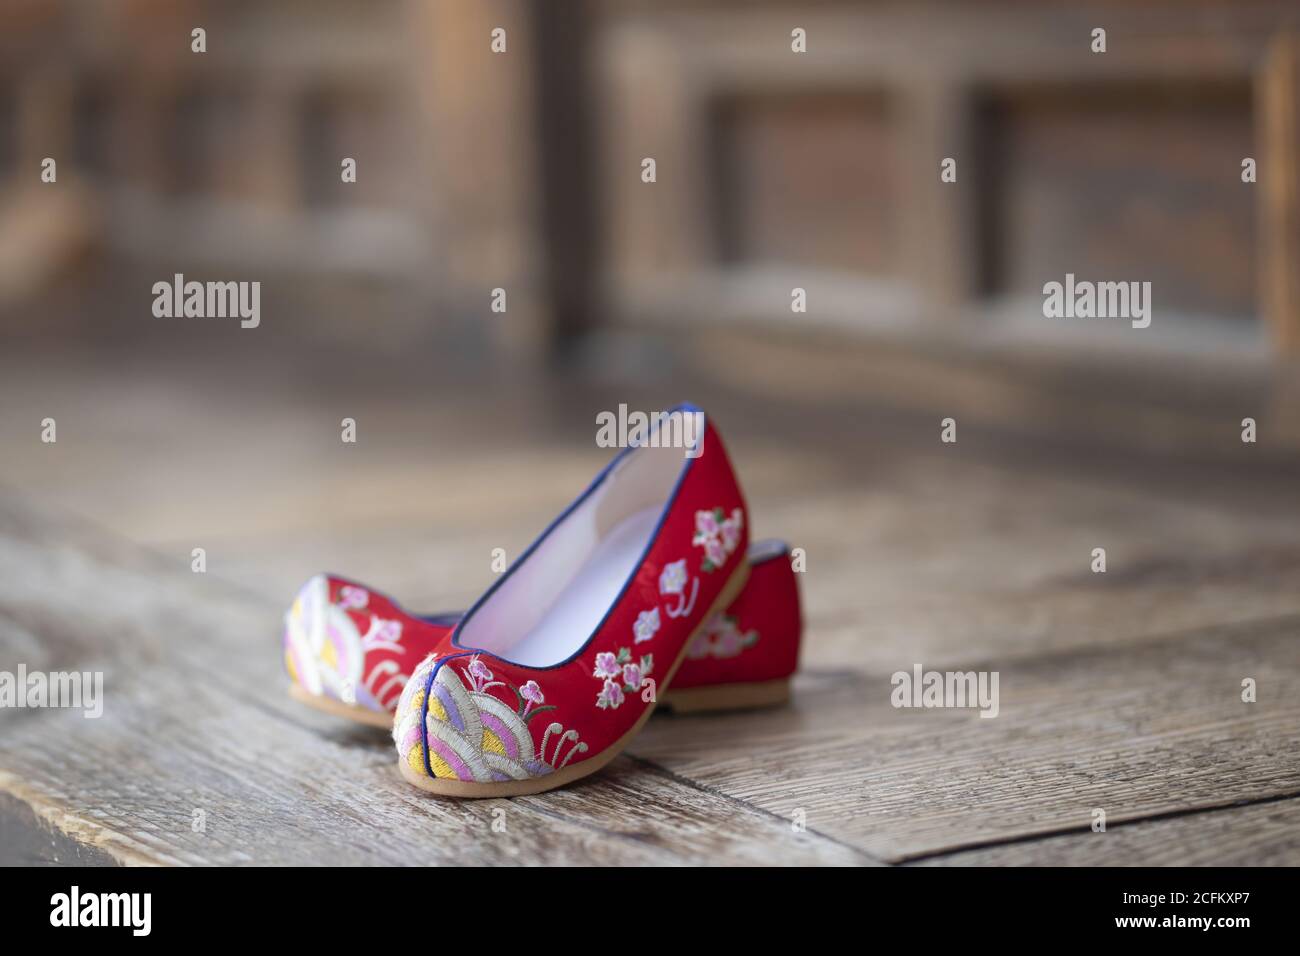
{"type": "Point", "coordinates": [337, 708]}
{"type": "Point", "coordinates": [701, 700]}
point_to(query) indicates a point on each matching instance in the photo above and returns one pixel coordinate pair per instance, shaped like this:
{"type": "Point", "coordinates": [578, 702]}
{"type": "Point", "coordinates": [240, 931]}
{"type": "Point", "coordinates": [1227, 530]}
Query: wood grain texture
{"type": "Point", "coordinates": [27, 840]}
{"type": "Point", "coordinates": [1154, 728]}
{"type": "Point", "coordinates": [1263, 834]}
{"type": "Point", "coordinates": [196, 718]}
{"type": "Point", "coordinates": [1118, 690]}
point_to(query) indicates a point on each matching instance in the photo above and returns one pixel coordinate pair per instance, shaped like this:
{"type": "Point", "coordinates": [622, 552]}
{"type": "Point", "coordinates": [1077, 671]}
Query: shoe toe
{"type": "Point", "coordinates": [304, 634]}
{"type": "Point", "coordinates": [410, 717]}
{"type": "Point", "coordinates": [446, 730]}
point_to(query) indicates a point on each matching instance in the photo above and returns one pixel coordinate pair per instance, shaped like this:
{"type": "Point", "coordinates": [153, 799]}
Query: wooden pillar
{"type": "Point", "coordinates": [272, 135]}
{"type": "Point", "coordinates": [565, 171]}
{"type": "Point", "coordinates": [46, 114]}
{"type": "Point", "coordinates": [484, 182]}
{"type": "Point", "coordinates": [1279, 180]}
{"type": "Point", "coordinates": [939, 228]}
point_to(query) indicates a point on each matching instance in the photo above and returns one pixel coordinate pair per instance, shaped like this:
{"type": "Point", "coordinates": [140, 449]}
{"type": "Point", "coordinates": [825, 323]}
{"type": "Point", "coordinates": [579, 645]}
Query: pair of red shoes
{"type": "Point", "coordinates": [645, 589]}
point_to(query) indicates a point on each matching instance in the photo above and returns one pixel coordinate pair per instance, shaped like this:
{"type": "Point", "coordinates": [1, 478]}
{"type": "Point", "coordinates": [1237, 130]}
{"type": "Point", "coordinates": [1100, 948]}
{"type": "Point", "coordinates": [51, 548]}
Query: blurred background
{"type": "Point", "coordinates": [775, 170]}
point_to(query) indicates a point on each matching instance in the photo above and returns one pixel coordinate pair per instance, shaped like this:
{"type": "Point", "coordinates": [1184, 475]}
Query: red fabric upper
{"type": "Point", "coordinates": [755, 639]}
{"type": "Point", "coordinates": [596, 696]}
{"type": "Point", "coordinates": [490, 719]}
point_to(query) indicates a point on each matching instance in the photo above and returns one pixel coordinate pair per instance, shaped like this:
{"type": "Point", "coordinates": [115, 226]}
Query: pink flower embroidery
{"type": "Point", "coordinates": [478, 673]}
{"type": "Point", "coordinates": [532, 694]}
{"type": "Point", "coordinates": [353, 597]}
{"type": "Point", "coordinates": [382, 634]}
{"type": "Point", "coordinates": [718, 536]}
{"type": "Point", "coordinates": [731, 531]}
{"type": "Point", "coordinates": [610, 696]}
{"type": "Point", "coordinates": [632, 675]}
{"type": "Point", "coordinates": [730, 643]}
{"type": "Point", "coordinates": [606, 665]}
{"type": "Point", "coordinates": [621, 675]}
{"type": "Point", "coordinates": [706, 525]}
{"type": "Point", "coordinates": [721, 638]}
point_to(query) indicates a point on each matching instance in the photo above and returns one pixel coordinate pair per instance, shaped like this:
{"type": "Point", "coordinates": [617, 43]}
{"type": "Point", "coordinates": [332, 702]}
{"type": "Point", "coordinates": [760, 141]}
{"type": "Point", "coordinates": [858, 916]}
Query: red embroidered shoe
{"type": "Point", "coordinates": [350, 649]}
{"type": "Point", "coordinates": [744, 656]}
{"type": "Point", "coordinates": [555, 669]}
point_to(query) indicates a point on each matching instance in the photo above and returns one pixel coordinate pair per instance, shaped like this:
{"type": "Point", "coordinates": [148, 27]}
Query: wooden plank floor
{"type": "Point", "coordinates": [1118, 691]}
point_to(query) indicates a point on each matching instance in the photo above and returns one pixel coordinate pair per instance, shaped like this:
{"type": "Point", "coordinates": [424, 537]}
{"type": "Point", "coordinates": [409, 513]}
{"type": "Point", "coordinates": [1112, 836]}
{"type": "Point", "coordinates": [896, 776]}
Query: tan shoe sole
{"type": "Point", "coordinates": [739, 696]}
{"type": "Point", "coordinates": [339, 709]}
{"type": "Point", "coordinates": [518, 788]}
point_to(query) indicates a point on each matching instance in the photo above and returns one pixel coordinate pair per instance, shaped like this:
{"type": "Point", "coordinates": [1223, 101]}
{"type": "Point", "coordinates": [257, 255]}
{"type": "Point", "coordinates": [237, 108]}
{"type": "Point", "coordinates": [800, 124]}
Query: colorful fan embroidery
{"type": "Point", "coordinates": [473, 735]}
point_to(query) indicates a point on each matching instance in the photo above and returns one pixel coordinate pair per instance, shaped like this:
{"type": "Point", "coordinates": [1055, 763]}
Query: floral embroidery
{"type": "Point", "coordinates": [531, 693]}
{"type": "Point", "coordinates": [621, 676]}
{"type": "Point", "coordinates": [474, 735]}
{"type": "Point", "coordinates": [718, 535]}
{"type": "Point", "coordinates": [353, 597]}
{"type": "Point", "coordinates": [607, 665]}
{"type": "Point", "coordinates": [325, 651]}
{"type": "Point", "coordinates": [721, 638]}
{"type": "Point", "coordinates": [647, 624]}
{"type": "Point", "coordinates": [479, 672]}
{"type": "Point", "coordinates": [731, 531]}
{"type": "Point", "coordinates": [610, 696]}
{"type": "Point", "coordinates": [672, 581]}
{"type": "Point", "coordinates": [383, 634]}
{"type": "Point", "coordinates": [673, 577]}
